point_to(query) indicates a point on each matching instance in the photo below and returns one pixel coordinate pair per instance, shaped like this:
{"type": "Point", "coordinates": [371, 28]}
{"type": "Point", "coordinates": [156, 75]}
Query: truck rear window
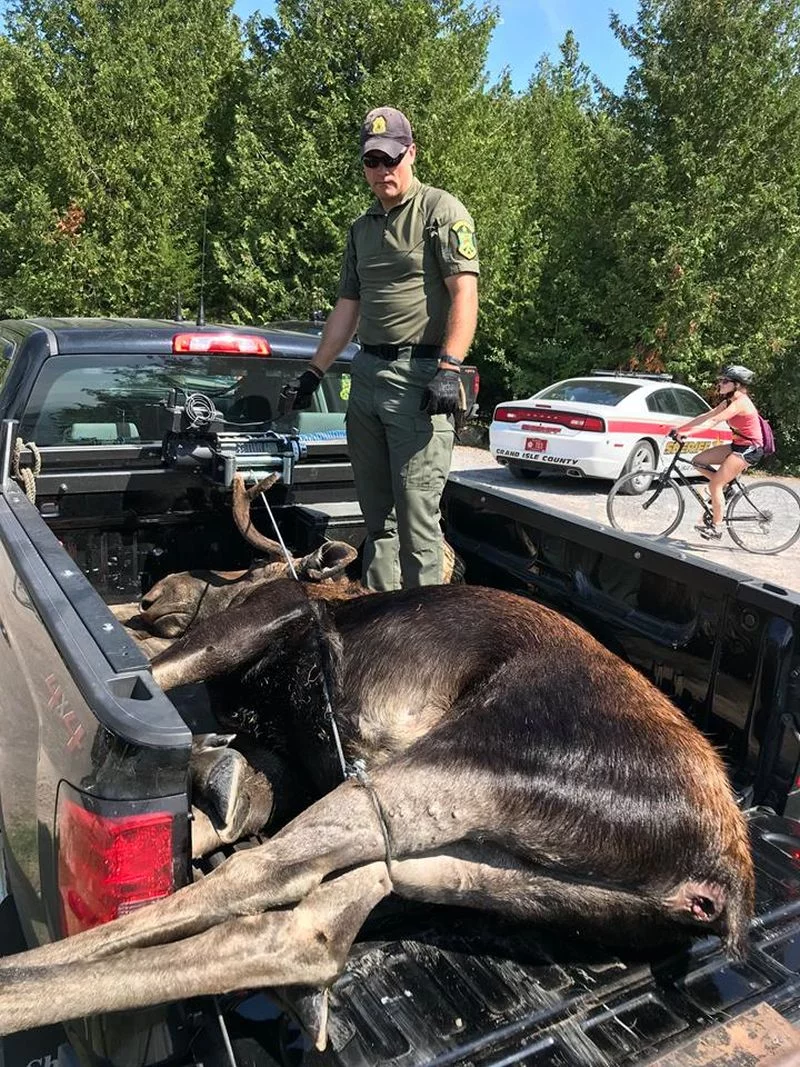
{"type": "Point", "coordinates": [6, 352]}
{"type": "Point", "coordinates": [108, 400]}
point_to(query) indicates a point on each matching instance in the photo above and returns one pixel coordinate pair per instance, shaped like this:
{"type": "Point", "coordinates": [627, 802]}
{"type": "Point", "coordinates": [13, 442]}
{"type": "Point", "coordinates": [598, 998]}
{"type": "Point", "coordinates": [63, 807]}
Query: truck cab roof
{"type": "Point", "coordinates": [84, 336]}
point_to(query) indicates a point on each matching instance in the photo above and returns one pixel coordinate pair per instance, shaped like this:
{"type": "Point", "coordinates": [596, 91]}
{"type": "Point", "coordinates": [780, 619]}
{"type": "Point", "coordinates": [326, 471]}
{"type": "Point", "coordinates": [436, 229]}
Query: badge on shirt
{"type": "Point", "coordinates": [465, 239]}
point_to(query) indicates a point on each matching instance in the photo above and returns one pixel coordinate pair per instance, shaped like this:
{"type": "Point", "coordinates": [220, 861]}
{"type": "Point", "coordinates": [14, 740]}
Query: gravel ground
{"type": "Point", "coordinates": [587, 497]}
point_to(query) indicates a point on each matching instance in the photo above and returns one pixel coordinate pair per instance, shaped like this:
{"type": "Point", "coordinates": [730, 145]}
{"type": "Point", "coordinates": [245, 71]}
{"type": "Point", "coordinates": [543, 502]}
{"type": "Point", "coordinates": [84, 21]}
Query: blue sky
{"type": "Point", "coordinates": [532, 27]}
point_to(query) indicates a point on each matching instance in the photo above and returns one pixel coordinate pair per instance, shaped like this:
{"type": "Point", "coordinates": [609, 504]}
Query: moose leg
{"type": "Point", "coordinates": [340, 831]}
{"type": "Point", "coordinates": [308, 944]}
{"type": "Point", "coordinates": [482, 876]}
{"type": "Point", "coordinates": [409, 810]}
{"type": "Point", "coordinates": [423, 812]}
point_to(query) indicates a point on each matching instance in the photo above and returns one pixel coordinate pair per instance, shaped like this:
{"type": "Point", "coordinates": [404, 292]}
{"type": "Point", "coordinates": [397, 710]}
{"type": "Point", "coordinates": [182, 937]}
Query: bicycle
{"type": "Point", "coordinates": [761, 517]}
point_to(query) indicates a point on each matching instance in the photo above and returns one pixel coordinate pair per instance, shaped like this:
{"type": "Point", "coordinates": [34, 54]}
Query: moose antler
{"type": "Point", "coordinates": [242, 502]}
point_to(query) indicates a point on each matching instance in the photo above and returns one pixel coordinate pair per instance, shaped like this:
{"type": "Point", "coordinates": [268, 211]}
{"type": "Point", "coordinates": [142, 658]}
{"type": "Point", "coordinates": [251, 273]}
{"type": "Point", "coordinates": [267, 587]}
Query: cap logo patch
{"type": "Point", "coordinates": [465, 239]}
{"type": "Point", "coordinates": [379, 124]}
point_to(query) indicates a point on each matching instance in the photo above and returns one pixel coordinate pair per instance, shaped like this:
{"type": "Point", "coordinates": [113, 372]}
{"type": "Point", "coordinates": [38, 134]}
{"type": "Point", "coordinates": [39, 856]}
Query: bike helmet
{"type": "Point", "coordinates": [736, 373]}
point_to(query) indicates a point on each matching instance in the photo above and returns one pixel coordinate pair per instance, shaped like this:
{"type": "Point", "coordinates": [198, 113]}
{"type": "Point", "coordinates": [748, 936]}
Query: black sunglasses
{"type": "Point", "coordinates": [372, 162]}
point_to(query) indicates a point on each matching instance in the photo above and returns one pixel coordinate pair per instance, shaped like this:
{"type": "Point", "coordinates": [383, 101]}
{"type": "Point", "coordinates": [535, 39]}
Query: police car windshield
{"type": "Point", "coordinates": [590, 391]}
{"type": "Point", "coordinates": [84, 400]}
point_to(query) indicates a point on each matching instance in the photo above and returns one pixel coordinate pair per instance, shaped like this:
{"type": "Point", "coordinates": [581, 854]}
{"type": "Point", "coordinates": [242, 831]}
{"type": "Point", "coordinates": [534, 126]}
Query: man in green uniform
{"type": "Point", "coordinates": [409, 285]}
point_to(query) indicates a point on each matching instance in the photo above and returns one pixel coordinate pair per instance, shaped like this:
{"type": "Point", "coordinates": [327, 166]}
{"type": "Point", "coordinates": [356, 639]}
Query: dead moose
{"type": "Point", "coordinates": [511, 764]}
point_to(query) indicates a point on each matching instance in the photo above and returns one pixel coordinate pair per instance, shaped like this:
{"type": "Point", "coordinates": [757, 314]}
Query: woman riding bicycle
{"type": "Point", "coordinates": [738, 410]}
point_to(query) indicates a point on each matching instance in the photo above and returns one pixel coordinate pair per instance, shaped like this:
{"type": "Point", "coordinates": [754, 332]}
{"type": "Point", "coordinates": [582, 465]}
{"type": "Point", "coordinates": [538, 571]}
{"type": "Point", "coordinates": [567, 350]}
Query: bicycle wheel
{"type": "Point", "coordinates": [764, 518]}
{"type": "Point", "coordinates": [653, 513]}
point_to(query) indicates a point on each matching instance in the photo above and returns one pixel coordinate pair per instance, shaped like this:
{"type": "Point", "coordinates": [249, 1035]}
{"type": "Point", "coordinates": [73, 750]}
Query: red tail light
{"type": "Point", "coordinates": [572, 419]}
{"type": "Point", "coordinates": [240, 343]}
{"type": "Point", "coordinates": [110, 865]}
{"type": "Point", "coordinates": [476, 378]}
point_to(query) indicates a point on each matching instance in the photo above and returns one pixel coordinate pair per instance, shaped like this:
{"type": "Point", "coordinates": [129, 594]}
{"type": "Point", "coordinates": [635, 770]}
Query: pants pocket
{"type": "Point", "coordinates": [428, 462]}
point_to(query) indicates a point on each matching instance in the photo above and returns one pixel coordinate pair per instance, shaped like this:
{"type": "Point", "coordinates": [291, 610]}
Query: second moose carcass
{"type": "Point", "coordinates": [511, 764]}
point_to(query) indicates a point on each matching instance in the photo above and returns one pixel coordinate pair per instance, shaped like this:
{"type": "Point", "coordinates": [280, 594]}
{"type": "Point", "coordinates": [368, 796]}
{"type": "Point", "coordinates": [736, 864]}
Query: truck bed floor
{"type": "Point", "coordinates": [451, 986]}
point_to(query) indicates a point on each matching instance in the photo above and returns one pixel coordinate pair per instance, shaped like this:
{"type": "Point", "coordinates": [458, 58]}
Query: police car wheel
{"type": "Point", "coordinates": [642, 455]}
{"type": "Point", "coordinates": [523, 472]}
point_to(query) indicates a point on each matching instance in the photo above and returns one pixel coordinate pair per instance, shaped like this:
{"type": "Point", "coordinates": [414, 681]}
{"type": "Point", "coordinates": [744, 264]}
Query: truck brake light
{"type": "Point", "coordinates": [110, 865]}
{"type": "Point", "coordinates": [243, 344]}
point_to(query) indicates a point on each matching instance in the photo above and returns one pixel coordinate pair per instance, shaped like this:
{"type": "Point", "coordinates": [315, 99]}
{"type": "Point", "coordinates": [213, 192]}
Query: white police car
{"type": "Point", "coordinates": [599, 426]}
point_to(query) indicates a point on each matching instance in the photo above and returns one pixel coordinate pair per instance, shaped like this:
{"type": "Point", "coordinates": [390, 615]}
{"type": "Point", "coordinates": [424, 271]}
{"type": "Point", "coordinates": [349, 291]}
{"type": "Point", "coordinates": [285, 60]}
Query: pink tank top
{"type": "Point", "coordinates": [747, 428]}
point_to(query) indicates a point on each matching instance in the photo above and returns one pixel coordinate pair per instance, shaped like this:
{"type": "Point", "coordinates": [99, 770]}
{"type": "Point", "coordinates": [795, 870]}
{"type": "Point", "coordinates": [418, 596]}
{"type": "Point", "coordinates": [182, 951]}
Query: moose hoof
{"type": "Point", "coordinates": [309, 1007]}
{"type": "Point", "coordinates": [237, 799]}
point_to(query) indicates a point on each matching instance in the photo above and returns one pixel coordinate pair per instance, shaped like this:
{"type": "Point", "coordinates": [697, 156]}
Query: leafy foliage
{"type": "Point", "coordinates": [103, 113]}
{"type": "Point", "coordinates": [658, 227]}
{"type": "Point", "coordinates": [706, 237]}
{"type": "Point", "coordinates": [295, 181]}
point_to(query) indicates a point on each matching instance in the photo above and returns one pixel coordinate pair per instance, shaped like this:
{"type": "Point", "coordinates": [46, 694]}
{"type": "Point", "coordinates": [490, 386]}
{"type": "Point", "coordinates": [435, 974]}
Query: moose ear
{"type": "Point", "coordinates": [327, 561]}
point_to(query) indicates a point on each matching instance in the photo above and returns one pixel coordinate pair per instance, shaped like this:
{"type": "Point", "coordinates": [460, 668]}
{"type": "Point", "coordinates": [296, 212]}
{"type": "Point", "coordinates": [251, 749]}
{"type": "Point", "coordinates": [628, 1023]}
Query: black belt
{"type": "Point", "coordinates": [393, 351]}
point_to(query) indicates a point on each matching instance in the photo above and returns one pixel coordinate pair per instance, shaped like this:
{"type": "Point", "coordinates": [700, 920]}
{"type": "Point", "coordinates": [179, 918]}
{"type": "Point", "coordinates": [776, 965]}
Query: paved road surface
{"type": "Point", "coordinates": [587, 497]}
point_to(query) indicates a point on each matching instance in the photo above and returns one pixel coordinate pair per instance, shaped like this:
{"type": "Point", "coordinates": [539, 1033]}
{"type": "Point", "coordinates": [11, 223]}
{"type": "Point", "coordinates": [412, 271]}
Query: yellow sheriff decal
{"type": "Point", "coordinates": [694, 446]}
{"type": "Point", "coordinates": [465, 239]}
{"type": "Point", "coordinates": [379, 124]}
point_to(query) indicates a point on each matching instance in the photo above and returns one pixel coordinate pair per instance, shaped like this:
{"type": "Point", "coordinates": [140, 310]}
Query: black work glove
{"type": "Point", "coordinates": [441, 396]}
{"type": "Point", "coordinates": [296, 395]}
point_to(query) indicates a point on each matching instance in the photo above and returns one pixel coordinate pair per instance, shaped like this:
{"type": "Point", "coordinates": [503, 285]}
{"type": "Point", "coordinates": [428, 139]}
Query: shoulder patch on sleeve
{"type": "Point", "coordinates": [466, 244]}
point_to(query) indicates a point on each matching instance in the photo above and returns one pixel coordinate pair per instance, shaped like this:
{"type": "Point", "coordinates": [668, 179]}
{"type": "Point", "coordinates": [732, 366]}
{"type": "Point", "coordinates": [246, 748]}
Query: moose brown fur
{"type": "Point", "coordinates": [512, 764]}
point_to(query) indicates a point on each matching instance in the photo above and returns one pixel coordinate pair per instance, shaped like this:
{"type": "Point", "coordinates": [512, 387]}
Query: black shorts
{"type": "Point", "coordinates": [751, 454]}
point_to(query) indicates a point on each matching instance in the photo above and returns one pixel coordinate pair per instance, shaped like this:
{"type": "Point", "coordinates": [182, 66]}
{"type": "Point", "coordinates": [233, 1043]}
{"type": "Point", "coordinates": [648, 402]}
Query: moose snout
{"type": "Point", "coordinates": [150, 598]}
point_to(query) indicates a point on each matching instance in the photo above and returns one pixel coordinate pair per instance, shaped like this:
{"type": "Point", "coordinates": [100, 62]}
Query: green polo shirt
{"type": "Point", "coordinates": [395, 264]}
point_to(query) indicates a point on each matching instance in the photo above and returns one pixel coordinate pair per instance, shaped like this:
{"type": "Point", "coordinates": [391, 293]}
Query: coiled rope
{"type": "Point", "coordinates": [200, 410]}
{"type": "Point", "coordinates": [26, 475]}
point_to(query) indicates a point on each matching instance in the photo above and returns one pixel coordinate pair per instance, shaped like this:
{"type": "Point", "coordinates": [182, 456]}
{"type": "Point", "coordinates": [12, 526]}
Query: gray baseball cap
{"type": "Point", "coordinates": [385, 129]}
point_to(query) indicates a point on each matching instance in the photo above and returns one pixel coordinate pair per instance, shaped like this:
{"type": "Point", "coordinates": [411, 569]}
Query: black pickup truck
{"type": "Point", "coordinates": [105, 493]}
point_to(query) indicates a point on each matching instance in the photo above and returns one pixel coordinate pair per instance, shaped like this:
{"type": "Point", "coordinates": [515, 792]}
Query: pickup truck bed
{"type": "Point", "coordinates": [423, 986]}
{"type": "Point", "coordinates": [430, 988]}
{"type": "Point", "coordinates": [442, 987]}
{"type": "Point", "coordinates": [427, 986]}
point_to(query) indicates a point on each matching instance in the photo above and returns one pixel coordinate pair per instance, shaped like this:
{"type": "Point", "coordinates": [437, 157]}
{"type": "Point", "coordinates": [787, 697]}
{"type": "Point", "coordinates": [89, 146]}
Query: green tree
{"type": "Point", "coordinates": [295, 179]}
{"type": "Point", "coordinates": [665, 220]}
{"type": "Point", "coordinates": [705, 224]}
{"type": "Point", "coordinates": [541, 165]}
{"type": "Point", "coordinates": [105, 157]}
{"type": "Point", "coordinates": [560, 330]}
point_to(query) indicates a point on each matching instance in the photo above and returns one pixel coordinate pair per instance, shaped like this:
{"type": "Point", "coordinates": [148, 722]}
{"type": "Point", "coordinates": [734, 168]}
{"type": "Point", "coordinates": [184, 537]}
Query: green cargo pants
{"type": "Point", "coordinates": [401, 459]}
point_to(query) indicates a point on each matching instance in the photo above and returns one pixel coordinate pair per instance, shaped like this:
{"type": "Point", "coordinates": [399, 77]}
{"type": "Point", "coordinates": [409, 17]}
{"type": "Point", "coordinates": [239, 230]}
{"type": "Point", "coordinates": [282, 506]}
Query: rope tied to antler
{"type": "Point", "coordinates": [26, 476]}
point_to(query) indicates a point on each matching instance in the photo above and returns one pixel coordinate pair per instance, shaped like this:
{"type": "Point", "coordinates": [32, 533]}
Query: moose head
{"type": "Point", "coordinates": [182, 599]}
